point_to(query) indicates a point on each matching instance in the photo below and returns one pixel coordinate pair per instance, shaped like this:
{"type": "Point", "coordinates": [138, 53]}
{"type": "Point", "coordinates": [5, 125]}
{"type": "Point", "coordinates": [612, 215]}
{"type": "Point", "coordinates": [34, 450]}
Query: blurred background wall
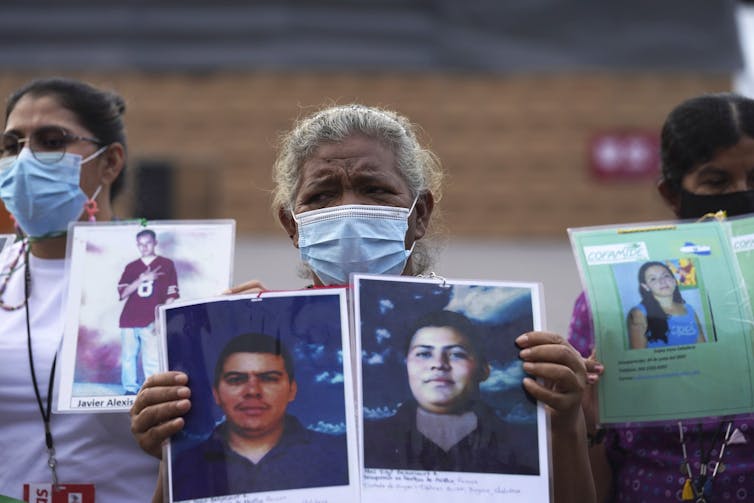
{"type": "Point", "coordinates": [544, 113]}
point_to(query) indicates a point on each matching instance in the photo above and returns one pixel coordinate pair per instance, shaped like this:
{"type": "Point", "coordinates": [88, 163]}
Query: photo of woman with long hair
{"type": "Point", "coordinates": [662, 318]}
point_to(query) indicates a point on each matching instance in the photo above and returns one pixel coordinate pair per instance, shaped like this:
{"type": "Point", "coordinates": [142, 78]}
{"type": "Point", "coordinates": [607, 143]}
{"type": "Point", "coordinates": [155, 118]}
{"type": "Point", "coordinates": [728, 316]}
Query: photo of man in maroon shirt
{"type": "Point", "coordinates": [146, 283]}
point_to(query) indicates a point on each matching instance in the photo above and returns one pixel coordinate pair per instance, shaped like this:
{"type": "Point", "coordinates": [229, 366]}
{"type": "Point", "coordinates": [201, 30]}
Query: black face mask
{"type": "Point", "coordinates": [733, 203]}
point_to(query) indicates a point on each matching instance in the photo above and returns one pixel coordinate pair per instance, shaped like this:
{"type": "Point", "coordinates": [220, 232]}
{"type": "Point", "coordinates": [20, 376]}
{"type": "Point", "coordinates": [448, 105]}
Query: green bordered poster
{"type": "Point", "coordinates": [742, 230]}
{"type": "Point", "coordinates": [671, 318]}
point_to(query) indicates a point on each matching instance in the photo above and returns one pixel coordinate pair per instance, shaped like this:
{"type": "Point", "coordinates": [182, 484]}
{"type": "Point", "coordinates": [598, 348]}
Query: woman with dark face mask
{"type": "Point", "coordinates": [707, 155]}
{"type": "Point", "coordinates": [62, 157]}
{"type": "Point", "coordinates": [355, 192]}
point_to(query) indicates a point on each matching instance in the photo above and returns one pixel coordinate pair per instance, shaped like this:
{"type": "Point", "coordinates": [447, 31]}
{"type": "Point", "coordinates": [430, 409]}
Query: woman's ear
{"type": "Point", "coordinates": [425, 203]}
{"type": "Point", "coordinates": [289, 224]}
{"type": "Point", "coordinates": [114, 158]}
{"type": "Point", "coordinates": [671, 195]}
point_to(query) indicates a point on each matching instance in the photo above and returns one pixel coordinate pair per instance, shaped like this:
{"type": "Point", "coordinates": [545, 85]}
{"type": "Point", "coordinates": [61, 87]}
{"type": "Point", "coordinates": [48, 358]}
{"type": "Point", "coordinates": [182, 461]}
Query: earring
{"type": "Point", "coordinates": [91, 206]}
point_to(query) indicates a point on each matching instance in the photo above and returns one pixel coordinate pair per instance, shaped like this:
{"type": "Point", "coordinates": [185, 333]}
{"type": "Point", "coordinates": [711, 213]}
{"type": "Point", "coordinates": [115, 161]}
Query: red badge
{"type": "Point", "coordinates": [61, 493]}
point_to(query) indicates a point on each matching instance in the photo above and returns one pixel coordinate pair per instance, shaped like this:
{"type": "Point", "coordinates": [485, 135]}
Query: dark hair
{"type": "Point", "coordinates": [101, 112]}
{"type": "Point", "coordinates": [254, 343]}
{"type": "Point", "coordinates": [454, 320]}
{"type": "Point", "coordinates": [657, 318]}
{"type": "Point", "coordinates": [147, 232]}
{"type": "Point", "coordinates": [697, 129]}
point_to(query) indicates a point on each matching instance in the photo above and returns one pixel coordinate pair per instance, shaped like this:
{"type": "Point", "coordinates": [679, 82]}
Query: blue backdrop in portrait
{"type": "Point", "coordinates": [309, 326]}
{"type": "Point", "coordinates": [389, 308]}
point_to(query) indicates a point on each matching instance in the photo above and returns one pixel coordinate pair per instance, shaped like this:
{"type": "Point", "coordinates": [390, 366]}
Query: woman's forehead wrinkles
{"type": "Point", "coordinates": [351, 167]}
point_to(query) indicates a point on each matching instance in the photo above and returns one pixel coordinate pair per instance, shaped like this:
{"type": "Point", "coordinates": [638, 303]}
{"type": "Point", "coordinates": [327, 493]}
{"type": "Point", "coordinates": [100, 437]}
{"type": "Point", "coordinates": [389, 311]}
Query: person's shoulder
{"type": "Point", "coordinates": [207, 450]}
{"type": "Point", "coordinates": [195, 451]}
{"type": "Point", "coordinates": [490, 421]}
{"type": "Point", "coordinates": [506, 445]}
{"type": "Point", "coordinates": [200, 471]}
{"type": "Point", "coordinates": [638, 310]}
{"type": "Point", "coordinates": [390, 427]}
{"type": "Point", "coordinates": [486, 413]}
{"type": "Point", "coordinates": [134, 263]}
{"type": "Point", "coordinates": [164, 259]}
{"type": "Point", "coordinates": [389, 422]}
{"type": "Point", "coordinates": [327, 440]}
{"type": "Point", "coordinates": [295, 429]}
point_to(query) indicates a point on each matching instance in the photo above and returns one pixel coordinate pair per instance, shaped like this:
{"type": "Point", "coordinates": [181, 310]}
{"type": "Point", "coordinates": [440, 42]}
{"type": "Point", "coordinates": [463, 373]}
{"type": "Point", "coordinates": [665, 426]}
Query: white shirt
{"type": "Point", "coordinates": [90, 448]}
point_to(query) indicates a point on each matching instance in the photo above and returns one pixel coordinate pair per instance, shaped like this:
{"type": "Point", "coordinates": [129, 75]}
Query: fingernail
{"type": "Point", "coordinates": [184, 392]}
{"type": "Point", "coordinates": [525, 353]}
{"type": "Point", "coordinates": [591, 378]}
{"type": "Point", "coordinates": [528, 366]}
{"type": "Point", "coordinates": [599, 368]}
{"type": "Point", "coordinates": [522, 339]}
{"type": "Point", "coordinates": [183, 404]}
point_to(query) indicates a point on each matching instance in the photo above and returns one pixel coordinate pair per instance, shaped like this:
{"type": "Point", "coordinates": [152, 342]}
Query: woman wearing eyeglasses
{"type": "Point", "coordinates": [62, 158]}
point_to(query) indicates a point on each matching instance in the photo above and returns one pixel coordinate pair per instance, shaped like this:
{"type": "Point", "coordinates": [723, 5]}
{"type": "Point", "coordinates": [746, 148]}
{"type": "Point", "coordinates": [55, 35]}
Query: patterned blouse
{"type": "Point", "coordinates": [647, 460]}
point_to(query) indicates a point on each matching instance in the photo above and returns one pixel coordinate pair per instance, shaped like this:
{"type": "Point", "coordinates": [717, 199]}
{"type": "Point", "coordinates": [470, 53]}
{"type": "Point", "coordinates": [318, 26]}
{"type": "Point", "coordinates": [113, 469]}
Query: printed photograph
{"type": "Point", "coordinates": [269, 396]}
{"type": "Point", "coordinates": [442, 378]}
{"type": "Point", "coordinates": [120, 274]}
{"type": "Point", "coordinates": [663, 303]}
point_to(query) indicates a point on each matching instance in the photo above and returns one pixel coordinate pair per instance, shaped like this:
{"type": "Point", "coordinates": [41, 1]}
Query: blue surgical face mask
{"type": "Point", "coordinates": [341, 240]}
{"type": "Point", "coordinates": [43, 198]}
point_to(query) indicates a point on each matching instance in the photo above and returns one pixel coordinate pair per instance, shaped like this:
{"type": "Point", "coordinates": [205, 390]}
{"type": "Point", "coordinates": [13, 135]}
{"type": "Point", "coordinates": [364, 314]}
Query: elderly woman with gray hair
{"type": "Point", "coordinates": [355, 191]}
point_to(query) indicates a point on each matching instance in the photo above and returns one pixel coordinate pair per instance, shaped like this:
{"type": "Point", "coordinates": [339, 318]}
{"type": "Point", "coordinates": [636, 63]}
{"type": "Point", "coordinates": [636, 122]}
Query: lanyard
{"type": "Point", "coordinates": [23, 252]}
{"type": "Point", "coordinates": [699, 489]}
{"type": "Point", "coordinates": [45, 411]}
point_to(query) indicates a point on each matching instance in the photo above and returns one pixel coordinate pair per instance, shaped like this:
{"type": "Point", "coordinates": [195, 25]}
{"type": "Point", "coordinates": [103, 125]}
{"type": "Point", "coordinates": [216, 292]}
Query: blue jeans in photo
{"type": "Point", "coordinates": [133, 340]}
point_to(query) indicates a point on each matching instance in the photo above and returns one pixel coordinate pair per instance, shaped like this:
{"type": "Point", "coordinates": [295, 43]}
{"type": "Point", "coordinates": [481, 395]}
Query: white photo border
{"type": "Point", "coordinates": [415, 485]}
{"type": "Point", "coordinates": [204, 248]}
{"type": "Point", "coordinates": [332, 494]}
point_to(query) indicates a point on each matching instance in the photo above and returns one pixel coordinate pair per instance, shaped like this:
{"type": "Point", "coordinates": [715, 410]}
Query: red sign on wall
{"type": "Point", "coordinates": [625, 155]}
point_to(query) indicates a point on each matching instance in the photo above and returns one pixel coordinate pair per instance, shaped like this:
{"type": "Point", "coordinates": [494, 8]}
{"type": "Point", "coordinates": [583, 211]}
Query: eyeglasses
{"type": "Point", "coordinates": [50, 141]}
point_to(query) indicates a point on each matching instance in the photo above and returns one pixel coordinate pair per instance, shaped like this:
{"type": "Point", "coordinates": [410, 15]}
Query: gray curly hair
{"type": "Point", "coordinates": [419, 166]}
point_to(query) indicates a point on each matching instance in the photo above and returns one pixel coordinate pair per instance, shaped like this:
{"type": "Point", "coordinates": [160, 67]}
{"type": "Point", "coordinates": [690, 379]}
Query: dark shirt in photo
{"type": "Point", "coordinates": [302, 458]}
{"type": "Point", "coordinates": [493, 447]}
